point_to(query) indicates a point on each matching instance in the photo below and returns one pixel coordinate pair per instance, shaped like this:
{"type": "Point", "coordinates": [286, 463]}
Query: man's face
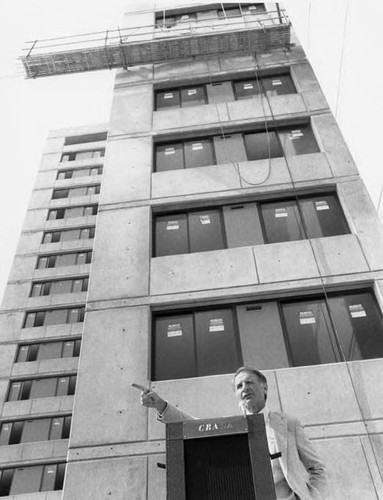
{"type": "Point", "coordinates": [250, 392]}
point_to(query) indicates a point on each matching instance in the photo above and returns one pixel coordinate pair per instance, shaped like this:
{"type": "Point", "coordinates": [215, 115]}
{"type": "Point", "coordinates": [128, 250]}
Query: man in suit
{"type": "Point", "coordinates": [298, 474]}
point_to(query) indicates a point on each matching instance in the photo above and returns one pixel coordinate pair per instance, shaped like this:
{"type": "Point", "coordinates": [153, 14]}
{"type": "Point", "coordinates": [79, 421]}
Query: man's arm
{"type": "Point", "coordinates": [314, 465]}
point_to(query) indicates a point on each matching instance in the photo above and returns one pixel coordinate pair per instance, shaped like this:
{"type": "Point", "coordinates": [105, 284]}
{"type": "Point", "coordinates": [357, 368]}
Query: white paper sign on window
{"type": "Point", "coordinates": [216, 325]}
{"type": "Point", "coordinates": [306, 317]}
{"type": "Point", "coordinates": [172, 225]}
{"type": "Point", "coordinates": [296, 134]}
{"type": "Point", "coordinates": [197, 145]}
{"type": "Point", "coordinates": [174, 330]}
{"type": "Point", "coordinates": [192, 91]}
{"type": "Point", "coordinates": [169, 151]}
{"type": "Point", "coordinates": [276, 82]}
{"type": "Point", "coordinates": [280, 212]}
{"type": "Point", "coordinates": [168, 95]}
{"type": "Point", "coordinates": [322, 205]}
{"type": "Point", "coordinates": [204, 219]}
{"type": "Point", "coordinates": [357, 311]}
{"type": "Point", "coordinates": [248, 86]}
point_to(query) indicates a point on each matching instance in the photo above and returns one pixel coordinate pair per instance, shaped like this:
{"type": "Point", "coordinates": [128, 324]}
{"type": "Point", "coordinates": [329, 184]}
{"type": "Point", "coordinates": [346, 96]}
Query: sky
{"type": "Point", "coordinates": [341, 39]}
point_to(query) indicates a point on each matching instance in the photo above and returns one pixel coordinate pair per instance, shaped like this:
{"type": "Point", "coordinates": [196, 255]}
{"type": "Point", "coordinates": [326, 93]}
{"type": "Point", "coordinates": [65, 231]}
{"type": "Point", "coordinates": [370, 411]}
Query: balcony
{"type": "Point", "coordinates": [151, 44]}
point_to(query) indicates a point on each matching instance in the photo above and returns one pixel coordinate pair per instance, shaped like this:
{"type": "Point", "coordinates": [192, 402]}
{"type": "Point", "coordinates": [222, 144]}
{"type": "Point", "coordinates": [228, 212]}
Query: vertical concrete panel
{"type": "Point", "coordinates": [273, 171]}
{"type": "Point", "coordinates": [45, 179]}
{"type": "Point", "coordinates": [368, 386]}
{"type": "Point", "coordinates": [35, 219]}
{"type": "Point", "coordinates": [126, 254]}
{"type": "Point", "coordinates": [349, 475]}
{"type": "Point", "coordinates": [249, 108]}
{"type": "Point", "coordinates": [331, 141]}
{"type": "Point", "coordinates": [170, 119]}
{"type": "Point", "coordinates": [305, 389]}
{"type": "Point", "coordinates": [16, 295]}
{"type": "Point", "coordinates": [128, 115]}
{"type": "Point", "coordinates": [308, 86]}
{"type": "Point", "coordinates": [40, 198]}
{"type": "Point", "coordinates": [261, 335]}
{"type": "Point", "coordinates": [288, 104]}
{"type": "Point", "coordinates": [10, 325]}
{"type": "Point", "coordinates": [7, 357]}
{"type": "Point", "coordinates": [117, 479]}
{"type": "Point", "coordinates": [23, 267]}
{"type": "Point", "coordinates": [127, 170]}
{"type": "Point", "coordinates": [113, 355]}
{"type": "Point", "coordinates": [156, 478]}
{"type": "Point", "coordinates": [50, 161]}
{"type": "Point", "coordinates": [309, 167]}
{"type": "Point", "coordinates": [3, 393]}
{"type": "Point", "coordinates": [364, 220]}
{"type": "Point", "coordinates": [53, 145]}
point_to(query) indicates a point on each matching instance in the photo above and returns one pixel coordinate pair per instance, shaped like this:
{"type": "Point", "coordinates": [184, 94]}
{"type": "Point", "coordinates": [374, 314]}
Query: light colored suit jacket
{"type": "Point", "coordinates": [305, 473]}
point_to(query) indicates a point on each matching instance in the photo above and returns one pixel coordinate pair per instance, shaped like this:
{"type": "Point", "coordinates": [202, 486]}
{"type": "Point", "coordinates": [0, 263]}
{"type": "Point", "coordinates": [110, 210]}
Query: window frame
{"type": "Point", "coordinates": [42, 315]}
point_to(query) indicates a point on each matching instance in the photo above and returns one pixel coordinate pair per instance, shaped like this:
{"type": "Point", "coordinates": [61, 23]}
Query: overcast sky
{"type": "Point", "coordinates": [346, 56]}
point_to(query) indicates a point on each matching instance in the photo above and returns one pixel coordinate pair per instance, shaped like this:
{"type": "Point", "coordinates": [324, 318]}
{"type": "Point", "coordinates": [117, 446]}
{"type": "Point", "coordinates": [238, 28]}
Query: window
{"type": "Point", "coordinates": [164, 20]}
{"type": "Point", "coordinates": [84, 233]}
{"type": "Point", "coordinates": [37, 429]}
{"type": "Point", "coordinates": [83, 155]}
{"type": "Point", "coordinates": [76, 191]}
{"type": "Point", "coordinates": [277, 333]}
{"type": "Point", "coordinates": [196, 343]}
{"type": "Point", "coordinates": [54, 317]}
{"type": "Point", "coordinates": [256, 86]}
{"type": "Point", "coordinates": [270, 86]}
{"type": "Point", "coordinates": [48, 350]}
{"type": "Point", "coordinates": [186, 154]}
{"type": "Point", "coordinates": [41, 388]}
{"type": "Point", "coordinates": [82, 139]}
{"type": "Point", "coordinates": [79, 172]}
{"type": "Point", "coordinates": [55, 287]}
{"type": "Point", "coordinates": [255, 223]}
{"type": "Point", "coordinates": [258, 145]}
{"type": "Point", "coordinates": [31, 479]}
{"type": "Point", "coordinates": [184, 97]}
{"type": "Point", "coordinates": [72, 212]}
{"type": "Point", "coordinates": [64, 259]}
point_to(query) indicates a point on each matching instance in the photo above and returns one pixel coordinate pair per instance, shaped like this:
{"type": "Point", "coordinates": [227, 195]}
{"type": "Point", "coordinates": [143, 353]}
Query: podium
{"type": "Point", "coordinates": [219, 459]}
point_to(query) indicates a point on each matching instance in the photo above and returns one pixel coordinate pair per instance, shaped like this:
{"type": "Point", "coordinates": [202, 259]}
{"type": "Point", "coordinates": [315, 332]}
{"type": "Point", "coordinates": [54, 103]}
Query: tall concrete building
{"type": "Point", "coordinates": [217, 220]}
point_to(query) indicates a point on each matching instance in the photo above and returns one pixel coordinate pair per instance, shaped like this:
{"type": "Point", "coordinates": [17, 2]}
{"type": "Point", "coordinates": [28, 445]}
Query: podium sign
{"type": "Point", "coordinates": [219, 459]}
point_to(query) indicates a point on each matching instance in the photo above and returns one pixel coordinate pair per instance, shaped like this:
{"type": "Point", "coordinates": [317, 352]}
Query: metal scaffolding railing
{"type": "Point", "coordinates": [122, 48]}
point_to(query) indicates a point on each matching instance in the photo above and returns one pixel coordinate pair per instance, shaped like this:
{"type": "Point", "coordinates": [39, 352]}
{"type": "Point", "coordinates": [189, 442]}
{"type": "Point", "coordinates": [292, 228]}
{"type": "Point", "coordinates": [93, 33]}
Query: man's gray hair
{"type": "Point", "coordinates": [248, 369]}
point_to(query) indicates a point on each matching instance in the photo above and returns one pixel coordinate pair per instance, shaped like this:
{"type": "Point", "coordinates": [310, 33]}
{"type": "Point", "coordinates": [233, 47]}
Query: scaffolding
{"type": "Point", "coordinates": [155, 44]}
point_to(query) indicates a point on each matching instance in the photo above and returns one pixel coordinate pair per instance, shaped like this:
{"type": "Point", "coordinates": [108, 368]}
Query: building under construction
{"type": "Point", "coordinates": [217, 220]}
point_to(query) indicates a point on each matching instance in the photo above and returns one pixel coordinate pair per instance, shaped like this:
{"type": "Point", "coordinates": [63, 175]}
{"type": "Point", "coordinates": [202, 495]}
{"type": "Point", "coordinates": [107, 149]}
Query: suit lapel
{"type": "Point", "coordinates": [278, 422]}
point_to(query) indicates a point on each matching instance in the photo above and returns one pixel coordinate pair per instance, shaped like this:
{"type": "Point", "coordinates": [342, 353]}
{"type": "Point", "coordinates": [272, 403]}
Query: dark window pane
{"type": "Point", "coordinates": [278, 85]}
{"type": "Point", "coordinates": [59, 482]}
{"type": "Point", "coordinates": [199, 153]}
{"type": "Point", "coordinates": [216, 342]}
{"type": "Point", "coordinates": [36, 430]}
{"type": "Point", "coordinates": [323, 216]}
{"type": "Point", "coordinates": [171, 235]}
{"type": "Point", "coordinates": [72, 385]}
{"type": "Point", "coordinates": [282, 221]}
{"type": "Point", "coordinates": [168, 99]}
{"type": "Point", "coordinates": [87, 233]}
{"type": "Point", "coordinates": [298, 140]}
{"type": "Point", "coordinates": [25, 389]}
{"type": "Point", "coordinates": [26, 480]}
{"type": "Point", "coordinates": [247, 89]}
{"type": "Point", "coordinates": [33, 351]}
{"type": "Point", "coordinates": [65, 174]}
{"type": "Point", "coordinates": [77, 347]}
{"type": "Point", "coordinates": [359, 325]}
{"type": "Point", "coordinates": [205, 229]}
{"type": "Point", "coordinates": [49, 477]}
{"type": "Point", "coordinates": [43, 388]}
{"type": "Point", "coordinates": [93, 190]}
{"type": "Point", "coordinates": [174, 348]}
{"type": "Point", "coordinates": [231, 12]}
{"type": "Point", "coordinates": [5, 433]}
{"type": "Point", "coordinates": [310, 334]}
{"type": "Point", "coordinates": [60, 193]}
{"type": "Point", "coordinates": [50, 350]}
{"type": "Point", "coordinates": [74, 315]}
{"type": "Point", "coordinates": [66, 428]}
{"type": "Point", "coordinates": [39, 318]}
{"type": "Point", "coordinates": [17, 429]}
{"type": "Point", "coordinates": [81, 314]}
{"type": "Point", "coordinates": [193, 96]}
{"type": "Point", "coordinates": [42, 263]}
{"type": "Point", "coordinates": [56, 428]}
{"type": "Point", "coordinates": [22, 355]}
{"type": "Point", "coordinates": [92, 210]}
{"type": "Point", "coordinates": [77, 285]}
{"type": "Point", "coordinates": [6, 476]}
{"type": "Point", "coordinates": [29, 320]}
{"type": "Point", "coordinates": [51, 261]}
{"type": "Point", "coordinates": [66, 259]}
{"type": "Point", "coordinates": [262, 145]}
{"type": "Point", "coordinates": [169, 157]}
{"type": "Point", "coordinates": [36, 290]}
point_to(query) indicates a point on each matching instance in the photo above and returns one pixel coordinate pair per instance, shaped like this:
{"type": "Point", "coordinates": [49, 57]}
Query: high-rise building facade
{"type": "Point", "coordinates": [218, 220]}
